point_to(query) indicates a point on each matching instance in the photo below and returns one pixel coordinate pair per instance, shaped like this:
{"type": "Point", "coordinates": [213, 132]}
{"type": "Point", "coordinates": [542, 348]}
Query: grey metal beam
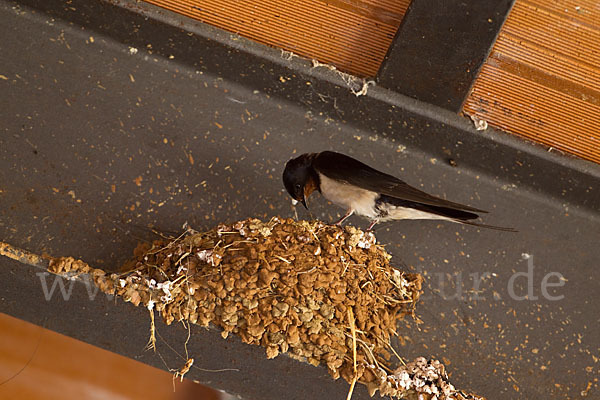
{"type": "Point", "coordinates": [440, 48]}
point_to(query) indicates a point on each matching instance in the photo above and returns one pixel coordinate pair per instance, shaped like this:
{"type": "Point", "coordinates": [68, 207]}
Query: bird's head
{"type": "Point", "coordinates": [299, 178]}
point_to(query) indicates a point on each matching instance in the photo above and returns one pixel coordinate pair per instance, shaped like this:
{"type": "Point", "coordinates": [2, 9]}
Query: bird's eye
{"type": "Point", "coordinates": [298, 187]}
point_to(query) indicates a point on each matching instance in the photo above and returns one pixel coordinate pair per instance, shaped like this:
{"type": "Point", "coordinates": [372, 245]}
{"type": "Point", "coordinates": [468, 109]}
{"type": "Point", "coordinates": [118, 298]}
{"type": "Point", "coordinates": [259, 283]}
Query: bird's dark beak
{"type": "Point", "coordinates": [303, 201]}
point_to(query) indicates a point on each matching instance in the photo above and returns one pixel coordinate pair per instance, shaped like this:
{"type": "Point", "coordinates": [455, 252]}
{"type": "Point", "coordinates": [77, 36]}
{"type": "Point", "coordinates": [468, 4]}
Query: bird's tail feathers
{"type": "Point", "coordinates": [497, 228]}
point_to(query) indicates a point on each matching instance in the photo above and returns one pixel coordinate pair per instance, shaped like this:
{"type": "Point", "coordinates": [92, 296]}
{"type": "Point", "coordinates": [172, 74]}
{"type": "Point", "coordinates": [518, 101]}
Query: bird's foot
{"type": "Point", "coordinates": [372, 225]}
{"type": "Point", "coordinates": [345, 217]}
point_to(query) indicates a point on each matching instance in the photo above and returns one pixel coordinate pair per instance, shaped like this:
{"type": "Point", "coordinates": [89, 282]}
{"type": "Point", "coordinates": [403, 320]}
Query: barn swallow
{"type": "Point", "coordinates": [367, 192]}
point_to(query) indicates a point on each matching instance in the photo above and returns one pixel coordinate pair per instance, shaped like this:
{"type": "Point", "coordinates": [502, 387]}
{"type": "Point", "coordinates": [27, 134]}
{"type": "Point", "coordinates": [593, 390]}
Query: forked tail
{"type": "Point", "coordinates": [497, 228]}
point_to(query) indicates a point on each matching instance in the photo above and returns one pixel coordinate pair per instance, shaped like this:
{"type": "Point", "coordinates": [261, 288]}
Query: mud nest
{"type": "Point", "coordinates": [320, 293]}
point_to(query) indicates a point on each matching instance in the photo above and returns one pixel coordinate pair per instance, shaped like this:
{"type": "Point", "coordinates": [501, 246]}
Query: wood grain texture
{"type": "Point", "coordinates": [542, 79]}
{"type": "Point", "coordinates": [353, 35]}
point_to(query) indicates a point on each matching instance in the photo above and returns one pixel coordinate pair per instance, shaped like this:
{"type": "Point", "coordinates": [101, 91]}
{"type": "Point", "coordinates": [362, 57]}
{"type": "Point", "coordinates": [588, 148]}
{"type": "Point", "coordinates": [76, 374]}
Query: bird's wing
{"type": "Point", "coordinates": [347, 169]}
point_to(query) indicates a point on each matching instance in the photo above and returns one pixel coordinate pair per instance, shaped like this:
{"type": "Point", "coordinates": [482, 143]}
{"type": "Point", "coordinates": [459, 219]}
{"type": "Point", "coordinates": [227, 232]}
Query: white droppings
{"type": "Point", "coordinates": [480, 124]}
{"type": "Point", "coordinates": [208, 256]}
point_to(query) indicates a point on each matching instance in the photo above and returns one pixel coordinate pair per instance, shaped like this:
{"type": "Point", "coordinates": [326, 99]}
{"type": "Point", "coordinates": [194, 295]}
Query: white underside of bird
{"type": "Point", "coordinates": [363, 203]}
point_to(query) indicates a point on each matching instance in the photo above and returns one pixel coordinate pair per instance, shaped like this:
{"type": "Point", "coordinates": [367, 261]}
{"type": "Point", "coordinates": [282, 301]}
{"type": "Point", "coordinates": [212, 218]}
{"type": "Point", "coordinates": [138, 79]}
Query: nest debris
{"type": "Point", "coordinates": [320, 293]}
